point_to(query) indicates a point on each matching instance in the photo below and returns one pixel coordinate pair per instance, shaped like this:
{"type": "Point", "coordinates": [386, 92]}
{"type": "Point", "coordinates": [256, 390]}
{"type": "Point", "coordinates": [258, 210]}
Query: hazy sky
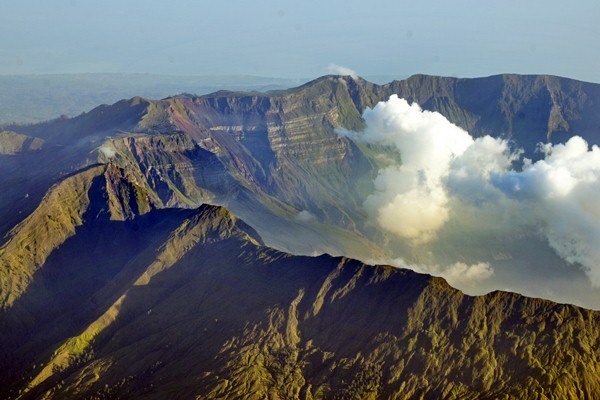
{"type": "Point", "coordinates": [299, 39]}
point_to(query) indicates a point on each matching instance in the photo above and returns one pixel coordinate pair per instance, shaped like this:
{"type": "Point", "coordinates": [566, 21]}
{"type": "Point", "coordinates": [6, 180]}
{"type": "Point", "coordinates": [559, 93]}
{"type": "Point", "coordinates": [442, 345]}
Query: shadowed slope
{"type": "Point", "coordinates": [61, 211]}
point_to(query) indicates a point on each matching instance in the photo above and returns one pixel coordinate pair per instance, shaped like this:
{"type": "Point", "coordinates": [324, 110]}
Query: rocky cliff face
{"type": "Point", "coordinates": [282, 143]}
{"type": "Point", "coordinates": [175, 171]}
{"type": "Point", "coordinates": [526, 108]}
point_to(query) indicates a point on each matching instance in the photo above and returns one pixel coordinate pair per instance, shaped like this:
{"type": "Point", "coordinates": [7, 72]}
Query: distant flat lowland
{"type": "Point", "coordinates": [35, 98]}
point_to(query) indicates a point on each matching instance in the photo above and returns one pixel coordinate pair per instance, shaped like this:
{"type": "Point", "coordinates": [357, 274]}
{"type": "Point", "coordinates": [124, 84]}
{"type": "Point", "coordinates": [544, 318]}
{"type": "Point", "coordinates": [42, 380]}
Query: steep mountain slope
{"type": "Point", "coordinates": [280, 143]}
{"type": "Point", "coordinates": [65, 207]}
{"type": "Point", "coordinates": [84, 230]}
{"type": "Point", "coordinates": [175, 171]}
{"type": "Point", "coordinates": [212, 313]}
{"type": "Point", "coordinates": [68, 146]}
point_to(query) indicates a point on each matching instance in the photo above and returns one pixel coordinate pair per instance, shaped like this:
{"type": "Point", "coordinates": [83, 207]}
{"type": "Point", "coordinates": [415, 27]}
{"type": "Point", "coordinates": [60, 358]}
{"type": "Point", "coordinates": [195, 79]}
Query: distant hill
{"type": "Point", "coordinates": [12, 143]}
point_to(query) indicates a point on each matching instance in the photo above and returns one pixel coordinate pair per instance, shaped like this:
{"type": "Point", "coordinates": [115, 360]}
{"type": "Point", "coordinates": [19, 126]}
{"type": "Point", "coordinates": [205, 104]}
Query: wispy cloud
{"type": "Point", "coordinates": [107, 151]}
{"type": "Point", "coordinates": [339, 70]}
{"type": "Point", "coordinates": [305, 216]}
{"type": "Point", "coordinates": [457, 274]}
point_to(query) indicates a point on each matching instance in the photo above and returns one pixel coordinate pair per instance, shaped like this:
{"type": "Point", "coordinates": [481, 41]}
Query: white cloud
{"type": "Point", "coordinates": [335, 69]}
{"type": "Point", "coordinates": [407, 205]}
{"type": "Point", "coordinates": [410, 199]}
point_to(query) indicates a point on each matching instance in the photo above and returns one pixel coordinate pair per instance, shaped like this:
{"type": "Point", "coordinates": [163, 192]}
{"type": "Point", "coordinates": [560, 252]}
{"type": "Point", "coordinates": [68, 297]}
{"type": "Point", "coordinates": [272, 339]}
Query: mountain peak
{"type": "Point", "coordinates": [331, 79]}
{"type": "Point", "coordinates": [217, 222]}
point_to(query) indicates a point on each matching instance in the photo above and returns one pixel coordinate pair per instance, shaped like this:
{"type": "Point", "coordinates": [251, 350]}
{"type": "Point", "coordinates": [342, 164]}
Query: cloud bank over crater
{"type": "Point", "coordinates": [563, 191]}
{"type": "Point", "coordinates": [412, 198]}
{"type": "Point", "coordinates": [443, 168]}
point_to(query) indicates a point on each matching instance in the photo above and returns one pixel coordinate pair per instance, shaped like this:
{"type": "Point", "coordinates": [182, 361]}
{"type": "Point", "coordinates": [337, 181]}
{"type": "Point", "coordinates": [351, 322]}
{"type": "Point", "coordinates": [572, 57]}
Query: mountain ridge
{"type": "Point", "coordinates": [213, 313]}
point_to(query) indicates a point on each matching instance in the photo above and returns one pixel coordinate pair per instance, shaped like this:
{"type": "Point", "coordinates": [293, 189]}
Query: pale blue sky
{"type": "Point", "coordinates": [299, 39]}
